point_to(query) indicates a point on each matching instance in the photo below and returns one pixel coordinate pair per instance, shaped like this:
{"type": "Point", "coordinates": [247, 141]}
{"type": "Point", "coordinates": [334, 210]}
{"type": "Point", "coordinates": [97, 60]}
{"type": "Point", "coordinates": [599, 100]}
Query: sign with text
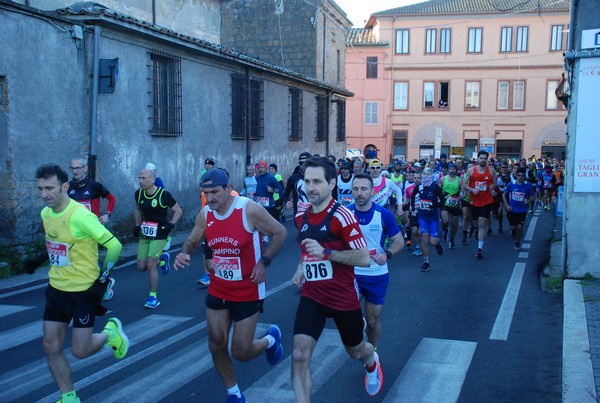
{"type": "Point", "coordinates": [458, 151]}
{"type": "Point", "coordinates": [438, 142]}
{"type": "Point", "coordinates": [586, 168]}
{"type": "Point", "coordinates": [590, 38]}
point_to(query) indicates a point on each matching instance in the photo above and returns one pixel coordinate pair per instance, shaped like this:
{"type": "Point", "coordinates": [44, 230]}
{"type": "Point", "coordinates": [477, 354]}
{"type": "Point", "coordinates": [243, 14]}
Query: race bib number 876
{"type": "Point", "coordinates": [316, 270]}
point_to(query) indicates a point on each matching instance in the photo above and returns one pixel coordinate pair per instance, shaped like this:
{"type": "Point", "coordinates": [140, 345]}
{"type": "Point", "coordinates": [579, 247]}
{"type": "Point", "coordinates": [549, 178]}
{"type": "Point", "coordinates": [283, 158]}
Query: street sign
{"type": "Point", "coordinates": [487, 140]}
{"type": "Point", "coordinates": [460, 151]}
{"type": "Point", "coordinates": [590, 38]}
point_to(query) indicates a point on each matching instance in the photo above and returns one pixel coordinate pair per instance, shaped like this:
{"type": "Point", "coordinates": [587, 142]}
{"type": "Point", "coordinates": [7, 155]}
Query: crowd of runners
{"type": "Point", "coordinates": [351, 217]}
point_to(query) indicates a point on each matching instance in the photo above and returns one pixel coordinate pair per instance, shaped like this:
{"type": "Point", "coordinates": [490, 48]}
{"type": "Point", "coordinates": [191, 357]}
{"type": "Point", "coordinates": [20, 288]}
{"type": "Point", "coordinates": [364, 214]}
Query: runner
{"type": "Point", "coordinates": [548, 182]}
{"type": "Point", "coordinates": [451, 186]}
{"type": "Point", "coordinates": [377, 225]}
{"type": "Point", "coordinates": [480, 181]}
{"type": "Point", "coordinates": [413, 220]}
{"type": "Point", "coordinates": [266, 186]}
{"type": "Point", "coordinates": [331, 244]}
{"type": "Point", "coordinates": [344, 184]}
{"type": "Point", "coordinates": [88, 192]}
{"type": "Point", "coordinates": [152, 228]}
{"type": "Point", "coordinates": [424, 202]}
{"type": "Point", "coordinates": [504, 178]}
{"type": "Point", "coordinates": [277, 195]}
{"type": "Point", "coordinates": [516, 198]}
{"type": "Point", "coordinates": [249, 189]}
{"type": "Point", "coordinates": [295, 185]}
{"type": "Point", "coordinates": [76, 284]}
{"type": "Point", "coordinates": [384, 188]}
{"type": "Point", "coordinates": [232, 227]}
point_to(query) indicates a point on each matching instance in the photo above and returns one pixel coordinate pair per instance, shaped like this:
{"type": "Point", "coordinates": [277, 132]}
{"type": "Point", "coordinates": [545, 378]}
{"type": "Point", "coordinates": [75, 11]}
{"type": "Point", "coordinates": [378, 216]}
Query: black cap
{"type": "Point", "coordinates": [210, 161]}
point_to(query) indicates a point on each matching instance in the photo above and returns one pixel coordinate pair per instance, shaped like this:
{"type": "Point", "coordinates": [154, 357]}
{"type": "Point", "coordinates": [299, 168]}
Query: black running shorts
{"type": "Point", "coordinates": [62, 306]}
{"type": "Point", "coordinates": [238, 310]}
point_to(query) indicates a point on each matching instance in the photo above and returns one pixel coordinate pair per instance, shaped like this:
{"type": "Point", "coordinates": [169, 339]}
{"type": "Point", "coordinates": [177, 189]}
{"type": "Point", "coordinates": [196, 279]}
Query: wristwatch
{"type": "Point", "coordinates": [266, 260]}
{"type": "Point", "coordinates": [388, 253]}
{"type": "Point", "coordinates": [326, 253]}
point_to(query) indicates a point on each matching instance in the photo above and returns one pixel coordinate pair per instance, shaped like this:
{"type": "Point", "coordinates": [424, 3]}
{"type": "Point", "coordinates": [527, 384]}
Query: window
{"type": "Point", "coordinates": [401, 96]}
{"type": "Point", "coordinates": [402, 36]}
{"type": "Point", "coordinates": [503, 87]}
{"type": "Point", "coordinates": [322, 114]}
{"type": "Point", "coordinates": [371, 113]}
{"type": "Point", "coordinates": [430, 40]}
{"type": "Point", "coordinates": [166, 94]}
{"type": "Point", "coordinates": [296, 114]}
{"type": "Point", "coordinates": [372, 67]}
{"type": "Point", "coordinates": [400, 142]}
{"type": "Point", "coordinates": [430, 96]}
{"type": "Point", "coordinates": [556, 40]}
{"type": "Point", "coordinates": [239, 96]}
{"type": "Point", "coordinates": [338, 67]}
{"type": "Point", "coordinates": [511, 95]}
{"type": "Point", "coordinates": [445, 40]}
{"type": "Point", "coordinates": [506, 39]}
{"type": "Point", "coordinates": [341, 121]}
{"type": "Point", "coordinates": [551, 100]}
{"type": "Point", "coordinates": [472, 95]}
{"type": "Point", "coordinates": [522, 39]}
{"type": "Point", "coordinates": [475, 35]}
{"type": "Point", "coordinates": [519, 95]}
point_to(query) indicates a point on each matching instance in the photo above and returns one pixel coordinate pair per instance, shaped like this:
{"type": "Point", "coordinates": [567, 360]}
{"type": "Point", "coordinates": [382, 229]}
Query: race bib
{"type": "Point", "coordinates": [481, 186]}
{"type": "Point", "coordinates": [58, 253]}
{"type": "Point", "coordinates": [316, 269]}
{"type": "Point", "coordinates": [149, 229]}
{"type": "Point", "coordinates": [372, 253]}
{"type": "Point", "coordinates": [263, 201]}
{"type": "Point", "coordinates": [303, 206]}
{"type": "Point", "coordinates": [518, 196]}
{"type": "Point", "coordinates": [346, 200]}
{"type": "Point", "coordinates": [87, 204]}
{"type": "Point", "coordinates": [452, 201]}
{"type": "Point", "coordinates": [227, 268]}
{"type": "Point", "coordinates": [426, 204]}
{"type": "Point", "coordinates": [548, 185]}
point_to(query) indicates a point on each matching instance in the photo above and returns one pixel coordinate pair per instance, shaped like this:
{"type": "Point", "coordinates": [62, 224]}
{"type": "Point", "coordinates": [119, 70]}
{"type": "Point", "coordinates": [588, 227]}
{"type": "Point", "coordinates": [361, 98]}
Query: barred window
{"type": "Point", "coordinates": [341, 120]}
{"type": "Point", "coordinates": [240, 114]}
{"type": "Point", "coordinates": [372, 66]}
{"type": "Point", "coordinates": [322, 121]}
{"type": "Point", "coordinates": [165, 78]}
{"type": "Point", "coordinates": [296, 114]}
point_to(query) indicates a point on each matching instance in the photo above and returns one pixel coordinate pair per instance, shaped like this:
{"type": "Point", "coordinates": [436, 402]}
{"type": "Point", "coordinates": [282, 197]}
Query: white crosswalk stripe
{"type": "Point", "coordinates": [6, 310]}
{"type": "Point", "coordinates": [19, 335]}
{"type": "Point", "coordinates": [434, 373]}
{"type": "Point", "coordinates": [22, 380]}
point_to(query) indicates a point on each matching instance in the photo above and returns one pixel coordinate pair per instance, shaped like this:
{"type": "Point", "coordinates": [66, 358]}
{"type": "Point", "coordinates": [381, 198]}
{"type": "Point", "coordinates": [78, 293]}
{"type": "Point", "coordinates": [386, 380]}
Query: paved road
{"type": "Point", "coordinates": [467, 331]}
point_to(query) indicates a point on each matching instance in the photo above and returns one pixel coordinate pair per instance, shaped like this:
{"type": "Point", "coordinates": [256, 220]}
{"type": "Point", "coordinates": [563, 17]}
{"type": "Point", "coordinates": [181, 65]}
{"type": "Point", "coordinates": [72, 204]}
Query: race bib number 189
{"type": "Point", "coordinates": [227, 268]}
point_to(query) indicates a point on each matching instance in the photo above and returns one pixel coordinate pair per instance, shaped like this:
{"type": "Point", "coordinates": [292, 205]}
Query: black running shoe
{"type": "Point", "coordinates": [425, 266]}
{"type": "Point", "coordinates": [439, 248]}
{"type": "Point", "coordinates": [489, 232]}
{"type": "Point", "coordinates": [452, 246]}
{"type": "Point", "coordinates": [445, 234]}
{"type": "Point", "coordinates": [464, 241]}
{"type": "Point", "coordinates": [479, 254]}
{"type": "Point", "coordinates": [500, 230]}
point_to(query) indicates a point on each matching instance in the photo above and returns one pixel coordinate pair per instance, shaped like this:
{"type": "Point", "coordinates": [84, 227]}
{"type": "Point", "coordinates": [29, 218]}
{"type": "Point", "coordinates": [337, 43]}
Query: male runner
{"type": "Point", "coordinates": [516, 198]}
{"type": "Point", "coordinates": [295, 186]}
{"type": "Point", "coordinates": [480, 180]}
{"type": "Point", "coordinates": [424, 203]}
{"type": "Point", "coordinates": [384, 188]}
{"type": "Point", "coordinates": [152, 228]}
{"type": "Point", "coordinates": [503, 179]}
{"type": "Point", "coordinates": [331, 244]}
{"type": "Point", "coordinates": [249, 188]}
{"type": "Point", "coordinates": [88, 192]}
{"type": "Point", "coordinates": [266, 186]}
{"type": "Point", "coordinates": [277, 195]}
{"type": "Point", "coordinates": [232, 226]}
{"type": "Point", "coordinates": [450, 185]}
{"type": "Point", "coordinates": [76, 286]}
{"type": "Point", "coordinates": [344, 184]}
{"type": "Point", "coordinates": [377, 224]}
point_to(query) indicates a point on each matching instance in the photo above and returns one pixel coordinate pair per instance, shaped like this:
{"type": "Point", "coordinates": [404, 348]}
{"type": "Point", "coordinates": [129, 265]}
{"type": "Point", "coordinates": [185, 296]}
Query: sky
{"type": "Point", "coordinates": [359, 10]}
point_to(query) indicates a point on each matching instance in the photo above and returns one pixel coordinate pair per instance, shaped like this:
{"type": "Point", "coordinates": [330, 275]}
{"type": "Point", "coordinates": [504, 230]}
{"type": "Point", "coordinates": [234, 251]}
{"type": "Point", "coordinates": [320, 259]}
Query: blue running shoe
{"type": "Point", "coordinates": [151, 302]}
{"type": "Point", "coordinates": [166, 268]}
{"type": "Point", "coordinates": [417, 252]}
{"type": "Point", "coordinates": [275, 352]}
{"type": "Point", "coordinates": [204, 280]}
{"type": "Point", "coordinates": [235, 399]}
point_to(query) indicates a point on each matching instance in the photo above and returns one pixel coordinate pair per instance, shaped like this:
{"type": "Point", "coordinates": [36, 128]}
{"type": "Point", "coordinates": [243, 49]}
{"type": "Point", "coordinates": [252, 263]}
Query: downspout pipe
{"type": "Point", "coordinates": [248, 120]}
{"type": "Point", "coordinates": [94, 111]}
{"type": "Point", "coordinates": [324, 44]}
{"type": "Point", "coordinates": [572, 25]}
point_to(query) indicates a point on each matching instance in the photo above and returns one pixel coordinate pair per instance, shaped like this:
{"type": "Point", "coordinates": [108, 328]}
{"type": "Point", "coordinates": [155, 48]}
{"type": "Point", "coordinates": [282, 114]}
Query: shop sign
{"type": "Point", "coordinates": [555, 142]}
{"type": "Point", "coordinates": [487, 140]}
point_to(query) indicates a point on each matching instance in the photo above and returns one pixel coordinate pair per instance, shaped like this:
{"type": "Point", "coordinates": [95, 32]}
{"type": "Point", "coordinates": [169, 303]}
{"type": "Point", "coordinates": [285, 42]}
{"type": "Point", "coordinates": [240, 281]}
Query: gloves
{"type": "Point", "coordinates": [136, 231]}
{"type": "Point", "coordinates": [31, 265]}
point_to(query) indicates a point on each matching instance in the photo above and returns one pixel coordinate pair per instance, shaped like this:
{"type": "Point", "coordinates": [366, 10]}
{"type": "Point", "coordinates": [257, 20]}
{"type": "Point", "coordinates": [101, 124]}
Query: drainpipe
{"type": "Point", "coordinates": [572, 24]}
{"type": "Point", "coordinates": [324, 43]}
{"type": "Point", "coordinates": [94, 111]}
{"type": "Point", "coordinates": [248, 120]}
{"type": "Point", "coordinates": [327, 109]}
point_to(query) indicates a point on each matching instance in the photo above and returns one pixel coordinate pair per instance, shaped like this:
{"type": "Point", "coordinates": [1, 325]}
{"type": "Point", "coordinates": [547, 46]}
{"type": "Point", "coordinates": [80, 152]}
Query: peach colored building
{"type": "Point", "coordinates": [449, 76]}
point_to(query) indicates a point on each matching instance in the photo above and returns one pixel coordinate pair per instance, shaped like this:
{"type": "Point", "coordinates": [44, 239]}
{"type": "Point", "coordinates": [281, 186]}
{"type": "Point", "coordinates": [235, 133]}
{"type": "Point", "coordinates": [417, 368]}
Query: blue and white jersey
{"type": "Point", "coordinates": [377, 224]}
{"type": "Point", "coordinates": [344, 190]}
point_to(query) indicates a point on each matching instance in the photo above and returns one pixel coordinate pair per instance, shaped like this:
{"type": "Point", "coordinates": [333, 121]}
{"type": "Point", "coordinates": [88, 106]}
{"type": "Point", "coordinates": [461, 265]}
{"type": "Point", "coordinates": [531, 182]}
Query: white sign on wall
{"type": "Point", "coordinates": [587, 157]}
{"type": "Point", "coordinates": [590, 38]}
{"type": "Point", "coordinates": [438, 142]}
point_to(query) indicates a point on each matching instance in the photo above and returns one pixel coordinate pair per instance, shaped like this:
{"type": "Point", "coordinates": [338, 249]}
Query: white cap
{"type": "Point", "coordinates": [385, 173]}
{"type": "Point", "coordinates": [150, 166]}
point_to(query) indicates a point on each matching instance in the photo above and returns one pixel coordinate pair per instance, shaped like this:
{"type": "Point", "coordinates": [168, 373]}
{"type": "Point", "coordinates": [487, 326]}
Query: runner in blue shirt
{"type": "Point", "coordinates": [516, 198]}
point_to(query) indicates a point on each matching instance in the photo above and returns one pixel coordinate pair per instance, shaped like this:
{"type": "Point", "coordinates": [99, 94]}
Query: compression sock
{"type": "Point", "coordinates": [153, 294]}
{"type": "Point", "coordinates": [480, 244]}
{"type": "Point", "coordinates": [70, 397]}
{"type": "Point", "coordinates": [271, 340]}
{"type": "Point", "coordinates": [234, 390]}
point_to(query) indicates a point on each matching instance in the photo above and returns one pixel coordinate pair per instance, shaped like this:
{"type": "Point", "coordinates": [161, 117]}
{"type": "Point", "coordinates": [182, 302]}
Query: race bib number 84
{"type": "Point", "coordinates": [58, 253]}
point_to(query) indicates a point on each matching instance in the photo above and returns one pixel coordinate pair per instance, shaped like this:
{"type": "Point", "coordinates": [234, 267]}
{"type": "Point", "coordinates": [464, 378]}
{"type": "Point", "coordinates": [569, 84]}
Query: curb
{"type": "Point", "coordinates": [577, 373]}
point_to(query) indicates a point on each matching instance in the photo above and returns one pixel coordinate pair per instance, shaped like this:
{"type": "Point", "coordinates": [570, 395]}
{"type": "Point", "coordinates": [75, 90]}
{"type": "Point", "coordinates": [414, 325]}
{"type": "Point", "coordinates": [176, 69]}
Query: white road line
{"type": "Point", "coordinates": [434, 373]}
{"type": "Point", "coordinates": [530, 229]}
{"type": "Point", "coordinates": [23, 290]}
{"type": "Point", "coordinates": [276, 385]}
{"type": "Point", "coordinates": [19, 335]}
{"type": "Point", "coordinates": [525, 246]}
{"type": "Point", "coordinates": [24, 379]}
{"type": "Point", "coordinates": [577, 372]}
{"type": "Point", "coordinates": [523, 255]}
{"type": "Point", "coordinates": [507, 309]}
{"type": "Point", "coordinates": [6, 310]}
